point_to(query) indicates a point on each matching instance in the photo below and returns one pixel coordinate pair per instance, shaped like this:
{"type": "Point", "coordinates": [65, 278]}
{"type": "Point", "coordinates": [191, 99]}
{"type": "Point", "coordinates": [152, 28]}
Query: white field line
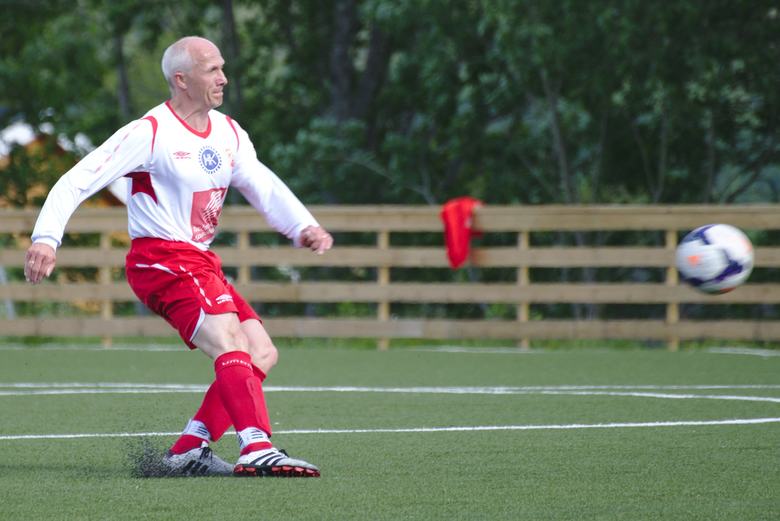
{"type": "Point", "coordinates": [99, 385]}
{"type": "Point", "coordinates": [638, 391]}
{"type": "Point", "coordinates": [765, 353]}
{"type": "Point", "coordinates": [96, 347]}
{"type": "Point", "coordinates": [428, 349]}
{"type": "Point", "coordinates": [673, 396]}
{"type": "Point", "coordinates": [417, 430]}
{"type": "Point", "coordinates": [643, 391]}
{"type": "Point", "coordinates": [480, 350]}
{"type": "Point", "coordinates": [466, 389]}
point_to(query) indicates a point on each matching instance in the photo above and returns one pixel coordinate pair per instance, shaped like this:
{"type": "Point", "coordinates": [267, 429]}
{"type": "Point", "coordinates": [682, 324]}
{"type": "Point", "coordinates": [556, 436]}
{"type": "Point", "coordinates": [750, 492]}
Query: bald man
{"type": "Point", "coordinates": [181, 157]}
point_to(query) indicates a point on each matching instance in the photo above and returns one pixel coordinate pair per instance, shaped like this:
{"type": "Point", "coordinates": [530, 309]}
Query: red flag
{"type": "Point", "coordinates": [457, 215]}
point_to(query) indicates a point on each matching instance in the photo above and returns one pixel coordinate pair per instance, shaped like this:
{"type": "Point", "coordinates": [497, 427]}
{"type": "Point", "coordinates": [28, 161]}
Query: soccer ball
{"type": "Point", "coordinates": [715, 258]}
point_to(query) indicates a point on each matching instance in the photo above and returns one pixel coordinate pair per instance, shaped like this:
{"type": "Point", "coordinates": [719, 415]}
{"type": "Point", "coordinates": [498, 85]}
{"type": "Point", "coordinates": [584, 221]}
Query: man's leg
{"type": "Point", "coordinates": [208, 425]}
{"type": "Point", "coordinates": [238, 381]}
{"type": "Point", "coordinates": [187, 288]}
{"type": "Point", "coordinates": [212, 419]}
{"type": "Point", "coordinates": [240, 389]}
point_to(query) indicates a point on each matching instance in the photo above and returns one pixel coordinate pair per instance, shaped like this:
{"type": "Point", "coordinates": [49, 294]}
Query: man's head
{"type": "Point", "coordinates": [192, 66]}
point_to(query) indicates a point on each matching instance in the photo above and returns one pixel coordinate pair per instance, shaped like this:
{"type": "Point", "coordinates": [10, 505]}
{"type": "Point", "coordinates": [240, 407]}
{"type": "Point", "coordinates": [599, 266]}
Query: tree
{"type": "Point", "coordinates": [382, 101]}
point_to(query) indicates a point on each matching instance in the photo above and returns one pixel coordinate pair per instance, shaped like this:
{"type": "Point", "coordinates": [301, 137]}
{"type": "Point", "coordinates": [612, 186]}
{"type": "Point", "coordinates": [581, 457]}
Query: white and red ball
{"type": "Point", "coordinates": [715, 258]}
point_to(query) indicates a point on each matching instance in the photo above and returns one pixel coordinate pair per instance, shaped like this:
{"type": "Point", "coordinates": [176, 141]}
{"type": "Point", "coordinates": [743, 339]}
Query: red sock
{"type": "Point", "coordinates": [213, 414]}
{"type": "Point", "coordinates": [259, 373]}
{"type": "Point", "coordinates": [186, 442]}
{"type": "Point", "coordinates": [213, 417]}
{"type": "Point", "coordinates": [241, 391]}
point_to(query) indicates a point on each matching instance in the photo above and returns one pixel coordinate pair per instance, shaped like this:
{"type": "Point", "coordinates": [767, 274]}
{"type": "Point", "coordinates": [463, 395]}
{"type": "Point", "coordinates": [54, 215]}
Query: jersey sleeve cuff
{"type": "Point", "coordinates": [48, 241]}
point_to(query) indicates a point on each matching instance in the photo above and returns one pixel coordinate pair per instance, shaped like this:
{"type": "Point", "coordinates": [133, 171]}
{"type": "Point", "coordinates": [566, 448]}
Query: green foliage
{"type": "Point", "coordinates": [419, 101]}
{"type": "Point", "coordinates": [384, 101]}
{"type": "Point", "coordinates": [325, 159]}
{"type": "Point", "coordinates": [29, 171]}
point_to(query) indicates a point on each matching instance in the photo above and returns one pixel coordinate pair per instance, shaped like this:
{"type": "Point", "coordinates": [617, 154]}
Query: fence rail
{"type": "Point", "coordinates": [382, 256]}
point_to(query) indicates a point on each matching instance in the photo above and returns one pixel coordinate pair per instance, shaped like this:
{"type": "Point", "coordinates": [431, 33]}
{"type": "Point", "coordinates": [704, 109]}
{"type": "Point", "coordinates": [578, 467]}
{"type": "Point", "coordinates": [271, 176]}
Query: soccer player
{"type": "Point", "coordinates": [181, 157]}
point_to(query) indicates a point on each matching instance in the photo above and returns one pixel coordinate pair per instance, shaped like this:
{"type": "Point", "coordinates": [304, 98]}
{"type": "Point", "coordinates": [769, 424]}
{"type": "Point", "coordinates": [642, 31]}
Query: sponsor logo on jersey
{"type": "Point", "coordinates": [206, 209]}
{"type": "Point", "coordinates": [181, 154]}
{"type": "Point", "coordinates": [210, 160]}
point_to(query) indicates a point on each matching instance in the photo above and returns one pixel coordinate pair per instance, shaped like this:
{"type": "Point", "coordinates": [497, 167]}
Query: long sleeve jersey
{"type": "Point", "coordinates": [179, 180]}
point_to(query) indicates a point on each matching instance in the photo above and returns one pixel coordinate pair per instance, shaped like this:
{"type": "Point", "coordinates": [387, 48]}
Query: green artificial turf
{"type": "Point", "coordinates": [558, 435]}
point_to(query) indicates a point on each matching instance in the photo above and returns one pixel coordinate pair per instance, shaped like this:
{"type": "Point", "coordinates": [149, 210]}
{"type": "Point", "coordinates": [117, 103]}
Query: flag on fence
{"type": "Point", "coordinates": [457, 215]}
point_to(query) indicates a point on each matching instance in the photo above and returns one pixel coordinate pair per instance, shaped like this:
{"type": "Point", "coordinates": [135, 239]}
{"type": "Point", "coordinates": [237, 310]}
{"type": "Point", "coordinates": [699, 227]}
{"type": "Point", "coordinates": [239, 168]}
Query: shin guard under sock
{"type": "Point", "coordinates": [241, 393]}
{"type": "Point", "coordinates": [209, 423]}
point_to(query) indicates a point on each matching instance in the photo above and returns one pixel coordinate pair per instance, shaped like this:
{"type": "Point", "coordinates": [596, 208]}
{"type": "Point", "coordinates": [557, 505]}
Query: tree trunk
{"type": "Point", "coordinates": [341, 70]}
{"type": "Point", "coordinates": [559, 147]}
{"type": "Point", "coordinates": [234, 98]}
{"type": "Point", "coordinates": [123, 86]}
{"type": "Point", "coordinates": [374, 75]}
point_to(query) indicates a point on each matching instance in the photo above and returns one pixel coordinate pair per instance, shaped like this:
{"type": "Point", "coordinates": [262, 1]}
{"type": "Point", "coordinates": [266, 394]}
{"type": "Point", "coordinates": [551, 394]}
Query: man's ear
{"type": "Point", "coordinates": [179, 80]}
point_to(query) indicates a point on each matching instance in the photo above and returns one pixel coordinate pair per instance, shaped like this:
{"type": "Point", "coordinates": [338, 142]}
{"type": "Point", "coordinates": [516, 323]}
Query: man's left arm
{"type": "Point", "coordinates": [270, 196]}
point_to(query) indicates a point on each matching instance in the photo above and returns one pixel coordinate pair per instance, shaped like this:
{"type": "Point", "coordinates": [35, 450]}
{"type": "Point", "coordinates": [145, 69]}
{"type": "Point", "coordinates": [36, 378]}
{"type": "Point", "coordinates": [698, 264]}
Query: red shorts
{"type": "Point", "coordinates": [182, 284]}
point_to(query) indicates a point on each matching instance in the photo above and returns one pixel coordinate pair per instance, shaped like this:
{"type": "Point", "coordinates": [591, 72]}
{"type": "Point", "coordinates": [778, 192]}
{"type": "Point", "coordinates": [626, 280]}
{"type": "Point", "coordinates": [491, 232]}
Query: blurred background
{"type": "Point", "coordinates": [419, 101]}
{"type": "Point", "coordinates": [572, 103]}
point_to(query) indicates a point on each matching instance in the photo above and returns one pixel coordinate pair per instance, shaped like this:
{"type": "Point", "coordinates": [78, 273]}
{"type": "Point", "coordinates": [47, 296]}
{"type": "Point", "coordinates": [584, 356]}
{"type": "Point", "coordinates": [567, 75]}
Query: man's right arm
{"type": "Point", "coordinates": [127, 150]}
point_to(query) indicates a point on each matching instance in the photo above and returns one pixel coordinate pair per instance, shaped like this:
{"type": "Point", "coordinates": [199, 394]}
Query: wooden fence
{"type": "Point", "coordinates": [385, 253]}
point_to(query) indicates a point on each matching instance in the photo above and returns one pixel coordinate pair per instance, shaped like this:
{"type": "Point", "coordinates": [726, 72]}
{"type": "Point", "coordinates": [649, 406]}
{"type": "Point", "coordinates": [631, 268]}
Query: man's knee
{"type": "Point", "coordinates": [261, 347]}
{"type": "Point", "coordinates": [264, 354]}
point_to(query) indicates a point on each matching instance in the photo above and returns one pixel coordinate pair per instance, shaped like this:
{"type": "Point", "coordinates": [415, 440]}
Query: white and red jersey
{"type": "Point", "coordinates": [179, 180]}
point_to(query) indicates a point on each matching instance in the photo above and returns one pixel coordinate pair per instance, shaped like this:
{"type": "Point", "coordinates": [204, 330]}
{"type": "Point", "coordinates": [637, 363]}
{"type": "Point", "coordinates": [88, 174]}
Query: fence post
{"type": "Point", "coordinates": [672, 308]}
{"type": "Point", "coordinates": [10, 310]}
{"type": "Point", "coordinates": [104, 279]}
{"type": "Point", "coordinates": [242, 240]}
{"type": "Point", "coordinates": [383, 280]}
{"type": "Point", "coordinates": [523, 308]}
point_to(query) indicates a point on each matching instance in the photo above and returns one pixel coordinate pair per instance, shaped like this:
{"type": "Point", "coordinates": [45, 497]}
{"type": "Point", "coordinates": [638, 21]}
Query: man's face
{"type": "Point", "coordinates": [206, 80]}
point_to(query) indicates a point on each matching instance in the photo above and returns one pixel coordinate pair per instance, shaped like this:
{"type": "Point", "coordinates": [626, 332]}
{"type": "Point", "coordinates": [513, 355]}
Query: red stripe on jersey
{"type": "Point", "coordinates": [142, 184]}
{"type": "Point", "coordinates": [110, 156]}
{"type": "Point", "coordinates": [153, 121]}
{"type": "Point", "coordinates": [203, 134]}
{"type": "Point", "coordinates": [233, 126]}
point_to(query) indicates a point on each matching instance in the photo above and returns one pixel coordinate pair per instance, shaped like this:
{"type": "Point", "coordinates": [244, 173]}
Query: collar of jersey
{"type": "Point", "coordinates": [203, 134]}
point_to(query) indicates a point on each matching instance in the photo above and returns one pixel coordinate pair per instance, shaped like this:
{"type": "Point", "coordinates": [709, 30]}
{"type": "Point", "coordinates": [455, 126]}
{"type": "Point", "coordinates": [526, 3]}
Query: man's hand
{"type": "Point", "coordinates": [316, 239]}
{"type": "Point", "coordinates": [39, 262]}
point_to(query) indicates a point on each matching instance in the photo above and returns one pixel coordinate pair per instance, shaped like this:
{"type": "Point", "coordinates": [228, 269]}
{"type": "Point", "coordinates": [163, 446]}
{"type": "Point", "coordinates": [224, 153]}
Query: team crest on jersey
{"type": "Point", "coordinates": [209, 159]}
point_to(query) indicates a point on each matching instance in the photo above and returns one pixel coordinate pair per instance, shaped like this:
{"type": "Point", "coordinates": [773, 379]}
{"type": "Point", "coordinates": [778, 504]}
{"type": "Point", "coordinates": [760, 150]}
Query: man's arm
{"type": "Point", "coordinates": [270, 196]}
{"type": "Point", "coordinates": [128, 149]}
